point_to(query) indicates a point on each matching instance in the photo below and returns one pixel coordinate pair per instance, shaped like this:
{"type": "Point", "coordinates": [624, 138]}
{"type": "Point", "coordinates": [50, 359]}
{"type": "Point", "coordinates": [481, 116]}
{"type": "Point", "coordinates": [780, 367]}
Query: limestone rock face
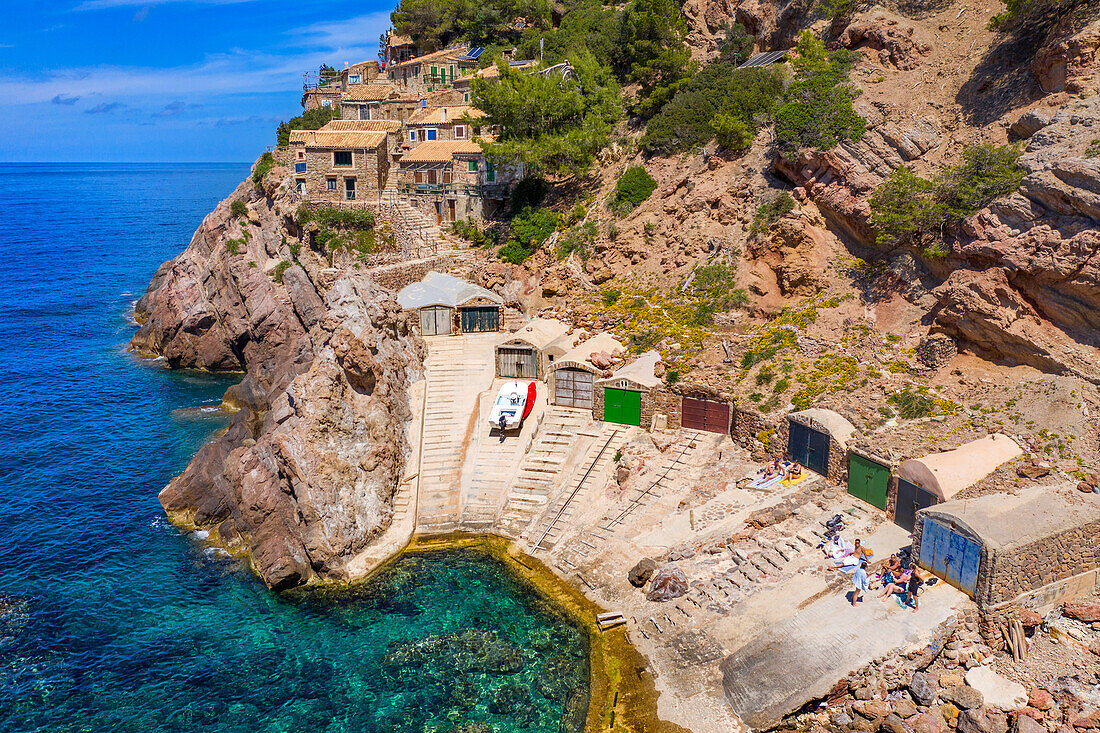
{"type": "Point", "coordinates": [304, 476]}
{"type": "Point", "coordinates": [896, 40]}
{"type": "Point", "coordinates": [669, 582]}
{"type": "Point", "coordinates": [1067, 60]}
{"type": "Point", "coordinates": [997, 691]}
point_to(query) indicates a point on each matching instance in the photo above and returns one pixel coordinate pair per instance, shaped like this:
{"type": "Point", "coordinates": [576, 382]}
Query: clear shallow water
{"type": "Point", "coordinates": [110, 619]}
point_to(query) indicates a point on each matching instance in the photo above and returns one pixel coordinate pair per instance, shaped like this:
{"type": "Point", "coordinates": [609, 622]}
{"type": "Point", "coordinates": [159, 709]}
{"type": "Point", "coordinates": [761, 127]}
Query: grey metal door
{"type": "Point", "coordinates": [573, 388]}
{"type": "Point", "coordinates": [521, 363]}
{"type": "Point", "coordinates": [435, 321]}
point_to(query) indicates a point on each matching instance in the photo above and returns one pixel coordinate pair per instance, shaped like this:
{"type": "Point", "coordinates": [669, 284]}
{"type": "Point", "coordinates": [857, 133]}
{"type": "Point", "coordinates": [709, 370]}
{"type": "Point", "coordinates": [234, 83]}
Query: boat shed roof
{"type": "Point", "coordinates": [946, 474]}
{"type": "Point", "coordinates": [538, 334]}
{"type": "Point", "coordinates": [838, 426]}
{"type": "Point", "coordinates": [1004, 521]}
{"type": "Point", "coordinates": [639, 371]}
{"type": "Point", "coordinates": [578, 356]}
{"type": "Point", "coordinates": [439, 289]}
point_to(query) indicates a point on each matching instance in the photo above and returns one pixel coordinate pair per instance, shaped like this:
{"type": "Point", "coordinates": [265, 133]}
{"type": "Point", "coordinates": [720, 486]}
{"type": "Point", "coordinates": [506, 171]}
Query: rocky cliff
{"type": "Point", "coordinates": [303, 478]}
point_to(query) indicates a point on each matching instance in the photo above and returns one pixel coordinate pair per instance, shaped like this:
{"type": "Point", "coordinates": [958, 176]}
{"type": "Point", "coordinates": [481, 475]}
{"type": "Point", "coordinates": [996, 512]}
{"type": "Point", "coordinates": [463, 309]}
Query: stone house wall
{"type": "Point", "coordinates": [395, 277]}
{"type": "Point", "coordinates": [751, 430]}
{"type": "Point", "coordinates": [837, 470]}
{"type": "Point", "coordinates": [370, 167]}
{"type": "Point", "coordinates": [1038, 576]}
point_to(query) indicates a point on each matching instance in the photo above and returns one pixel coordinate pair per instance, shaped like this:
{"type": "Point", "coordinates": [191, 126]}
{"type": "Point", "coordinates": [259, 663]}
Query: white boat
{"type": "Point", "coordinates": [509, 404]}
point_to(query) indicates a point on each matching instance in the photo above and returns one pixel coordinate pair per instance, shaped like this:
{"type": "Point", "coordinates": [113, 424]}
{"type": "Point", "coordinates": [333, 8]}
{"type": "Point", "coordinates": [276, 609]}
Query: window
{"type": "Point", "coordinates": [434, 71]}
{"type": "Point", "coordinates": [416, 71]}
{"type": "Point", "coordinates": [391, 75]}
{"type": "Point", "coordinates": [301, 154]}
{"type": "Point", "coordinates": [423, 103]}
{"type": "Point", "coordinates": [354, 79]}
{"type": "Point", "coordinates": [466, 97]}
{"type": "Point", "coordinates": [432, 134]}
{"type": "Point", "coordinates": [349, 189]}
{"type": "Point", "coordinates": [471, 165]}
{"type": "Point", "coordinates": [341, 158]}
{"type": "Point", "coordinates": [460, 132]}
{"type": "Point", "coordinates": [490, 173]}
{"type": "Point", "coordinates": [326, 102]}
{"type": "Point", "coordinates": [299, 184]}
{"type": "Point", "coordinates": [447, 176]}
{"type": "Point", "coordinates": [331, 184]}
{"type": "Point", "coordinates": [432, 178]}
{"type": "Point", "coordinates": [418, 177]}
{"type": "Point", "coordinates": [412, 136]}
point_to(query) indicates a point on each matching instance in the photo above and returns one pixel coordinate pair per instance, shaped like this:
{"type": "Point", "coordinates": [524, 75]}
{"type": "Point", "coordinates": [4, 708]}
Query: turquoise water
{"type": "Point", "coordinates": [111, 619]}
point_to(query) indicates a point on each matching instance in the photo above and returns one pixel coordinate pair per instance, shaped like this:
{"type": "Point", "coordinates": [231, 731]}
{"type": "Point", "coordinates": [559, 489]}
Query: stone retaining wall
{"type": "Point", "coordinates": [395, 277]}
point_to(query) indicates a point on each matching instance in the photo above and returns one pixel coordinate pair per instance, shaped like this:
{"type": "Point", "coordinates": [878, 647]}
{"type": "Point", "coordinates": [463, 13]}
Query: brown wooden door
{"type": "Point", "coordinates": [714, 417]}
{"type": "Point", "coordinates": [438, 212]}
{"type": "Point", "coordinates": [451, 210]}
{"type": "Point", "coordinates": [573, 388]}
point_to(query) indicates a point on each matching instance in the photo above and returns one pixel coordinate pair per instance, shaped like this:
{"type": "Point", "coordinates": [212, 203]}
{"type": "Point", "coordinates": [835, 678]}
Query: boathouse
{"type": "Point", "coordinates": [629, 395]}
{"type": "Point", "coordinates": [924, 482]}
{"type": "Point", "coordinates": [448, 305]}
{"type": "Point", "coordinates": [525, 355]}
{"type": "Point", "coordinates": [1034, 548]}
{"type": "Point", "coordinates": [818, 439]}
{"type": "Point", "coordinates": [572, 376]}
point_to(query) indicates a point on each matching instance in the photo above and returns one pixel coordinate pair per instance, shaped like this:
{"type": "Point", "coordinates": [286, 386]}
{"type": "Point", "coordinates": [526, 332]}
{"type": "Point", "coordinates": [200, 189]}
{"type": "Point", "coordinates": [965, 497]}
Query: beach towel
{"type": "Point", "coordinates": [791, 482]}
{"type": "Point", "coordinates": [900, 598]}
{"type": "Point", "coordinates": [762, 483]}
{"type": "Point", "coordinates": [847, 564]}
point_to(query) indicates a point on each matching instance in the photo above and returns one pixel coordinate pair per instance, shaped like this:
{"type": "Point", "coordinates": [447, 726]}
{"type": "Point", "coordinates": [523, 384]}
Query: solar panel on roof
{"type": "Point", "coordinates": [475, 52]}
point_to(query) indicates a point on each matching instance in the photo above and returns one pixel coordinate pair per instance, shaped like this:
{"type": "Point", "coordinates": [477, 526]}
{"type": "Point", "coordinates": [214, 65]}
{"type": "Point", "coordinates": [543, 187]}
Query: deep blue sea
{"type": "Point", "coordinates": [113, 620]}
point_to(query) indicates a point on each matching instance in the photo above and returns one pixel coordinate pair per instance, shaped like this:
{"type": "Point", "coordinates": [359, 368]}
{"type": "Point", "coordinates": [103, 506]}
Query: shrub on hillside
{"type": "Point", "coordinates": [238, 208]}
{"type": "Point", "coordinates": [906, 206]}
{"type": "Point", "coordinates": [530, 228]}
{"type": "Point", "coordinates": [816, 109]}
{"type": "Point", "coordinates": [312, 119]}
{"type": "Point", "coordinates": [331, 216]}
{"type": "Point", "coordinates": [771, 210]}
{"type": "Point", "coordinates": [263, 167]}
{"type": "Point", "coordinates": [720, 89]}
{"type": "Point", "coordinates": [633, 187]}
{"type": "Point", "coordinates": [736, 47]}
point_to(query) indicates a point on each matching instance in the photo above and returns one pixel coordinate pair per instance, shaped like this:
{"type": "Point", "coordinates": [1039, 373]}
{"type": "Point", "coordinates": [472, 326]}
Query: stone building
{"type": "Point", "coordinates": [695, 406]}
{"type": "Point", "coordinates": [322, 95]}
{"type": "Point", "coordinates": [923, 482]}
{"type": "Point", "coordinates": [392, 128]}
{"type": "Point", "coordinates": [572, 376]}
{"type": "Point", "coordinates": [448, 305]}
{"type": "Point", "coordinates": [361, 73]}
{"type": "Point", "coordinates": [450, 180]}
{"type": "Point", "coordinates": [432, 71]}
{"type": "Point", "coordinates": [1035, 548]}
{"type": "Point", "coordinates": [339, 166]}
{"type": "Point", "coordinates": [442, 123]}
{"type": "Point", "coordinates": [370, 102]}
{"type": "Point", "coordinates": [399, 49]}
{"type": "Point", "coordinates": [629, 395]}
{"type": "Point", "coordinates": [526, 355]}
{"type": "Point", "coordinates": [818, 439]}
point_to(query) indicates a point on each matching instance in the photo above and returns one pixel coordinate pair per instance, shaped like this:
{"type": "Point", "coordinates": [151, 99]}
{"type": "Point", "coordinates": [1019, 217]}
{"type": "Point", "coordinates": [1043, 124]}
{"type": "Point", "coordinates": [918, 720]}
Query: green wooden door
{"type": "Point", "coordinates": [622, 406]}
{"type": "Point", "coordinates": [868, 480]}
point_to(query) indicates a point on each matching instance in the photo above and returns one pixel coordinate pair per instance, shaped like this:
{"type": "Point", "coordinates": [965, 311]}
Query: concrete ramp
{"type": "Point", "coordinates": [801, 658]}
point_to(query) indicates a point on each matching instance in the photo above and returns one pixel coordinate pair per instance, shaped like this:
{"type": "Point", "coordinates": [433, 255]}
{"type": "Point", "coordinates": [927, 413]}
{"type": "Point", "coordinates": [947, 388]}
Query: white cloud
{"type": "Point", "coordinates": [357, 33]}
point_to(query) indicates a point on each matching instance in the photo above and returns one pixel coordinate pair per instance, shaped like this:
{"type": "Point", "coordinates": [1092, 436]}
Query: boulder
{"type": "Point", "coordinates": [905, 708]}
{"type": "Point", "coordinates": [1087, 612]}
{"type": "Point", "coordinates": [1040, 699]}
{"type": "Point", "coordinates": [1024, 724]}
{"type": "Point", "coordinates": [997, 691]}
{"type": "Point", "coordinates": [950, 680]}
{"type": "Point", "coordinates": [669, 582]}
{"type": "Point", "coordinates": [640, 574]}
{"type": "Point", "coordinates": [1029, 123]}
{"type": "Point", "coordinates": [983, 720]}
{"type": "Point", "coordinates": [893, 723]}
{"type": "Point", "coordinates": [872, 709]}
{"type": "Point", "coordinates": [923, 688]}
{"type": "Point", "coordinates": [930, 722]}
{"type": "Point", "coordinates": [964, 696]}
{"type": "Point", "coordinates": [1029, 619]}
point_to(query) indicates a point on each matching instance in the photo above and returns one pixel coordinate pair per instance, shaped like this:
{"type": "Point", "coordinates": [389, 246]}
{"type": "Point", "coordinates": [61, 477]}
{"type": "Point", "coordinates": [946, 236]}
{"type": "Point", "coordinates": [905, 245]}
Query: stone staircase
{"type": "Point", "coordinates": [458, 369]}
{"type": "Point", "coordinates": [485, 482]}
{"type": "Point", "coordinates": [539, 473]}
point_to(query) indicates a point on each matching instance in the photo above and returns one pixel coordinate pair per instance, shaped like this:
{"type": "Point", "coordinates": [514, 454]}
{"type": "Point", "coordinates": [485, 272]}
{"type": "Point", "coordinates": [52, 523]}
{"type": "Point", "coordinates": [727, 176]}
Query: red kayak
{"type": "Point", "coordinates": [530, 403]}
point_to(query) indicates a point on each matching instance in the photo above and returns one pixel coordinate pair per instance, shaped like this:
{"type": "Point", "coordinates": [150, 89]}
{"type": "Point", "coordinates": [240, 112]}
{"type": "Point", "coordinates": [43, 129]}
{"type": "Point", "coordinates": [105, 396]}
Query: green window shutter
{"type": "Point", "coordinates": [471, 166]}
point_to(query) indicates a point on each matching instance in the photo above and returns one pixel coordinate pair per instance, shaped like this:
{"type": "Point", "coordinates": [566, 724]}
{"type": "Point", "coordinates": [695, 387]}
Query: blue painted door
{"type": "Point", "coordinates": [950, 556]}
{"type": "Point", "coordinates": [809, 447]}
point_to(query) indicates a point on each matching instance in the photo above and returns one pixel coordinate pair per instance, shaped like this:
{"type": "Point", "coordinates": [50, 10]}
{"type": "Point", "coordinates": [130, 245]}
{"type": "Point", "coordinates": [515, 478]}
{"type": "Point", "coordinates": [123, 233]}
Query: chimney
{"type": "Point", "coordinates": [345, 64]}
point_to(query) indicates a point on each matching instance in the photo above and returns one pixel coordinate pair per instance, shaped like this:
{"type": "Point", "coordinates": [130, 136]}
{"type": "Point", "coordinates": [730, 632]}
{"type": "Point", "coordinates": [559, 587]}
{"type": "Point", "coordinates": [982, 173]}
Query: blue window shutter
{"type": "Point", "coordinates": [412, 135]}
{"type": "Point", "coordinates": [299, 167]}
{"type": "Point", "coordinates": [431, 134]}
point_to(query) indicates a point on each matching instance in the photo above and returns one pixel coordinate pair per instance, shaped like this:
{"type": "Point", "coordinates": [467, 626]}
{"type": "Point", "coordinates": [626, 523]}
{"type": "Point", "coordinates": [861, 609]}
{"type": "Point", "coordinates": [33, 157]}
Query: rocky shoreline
{"type": "Point", "coordinates": [303, 478]}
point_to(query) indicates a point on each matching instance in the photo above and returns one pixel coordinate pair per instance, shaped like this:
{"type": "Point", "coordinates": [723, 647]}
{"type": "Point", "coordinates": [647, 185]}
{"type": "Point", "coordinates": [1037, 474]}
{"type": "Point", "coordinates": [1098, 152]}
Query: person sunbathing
{"type": "Point", "coordinates": [898, 583]}
{"type": "Point", "coordinates": [773, 469]}
{"type": "Point", "coordinates": [796, 471]}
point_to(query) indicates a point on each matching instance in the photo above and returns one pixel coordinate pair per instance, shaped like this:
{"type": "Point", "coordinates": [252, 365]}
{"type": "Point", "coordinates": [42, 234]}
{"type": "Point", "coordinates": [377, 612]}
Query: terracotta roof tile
{"type": "Point", "coordinates": [338, 138]}
{"type": "Point", "coordinates": [365, 125]}
{"type": "Point", "coordinates": [443, 115]}
{"type": "Point", "coordinates": [368, 92]}
{"type": "Point", "coordinates": [440, 151]}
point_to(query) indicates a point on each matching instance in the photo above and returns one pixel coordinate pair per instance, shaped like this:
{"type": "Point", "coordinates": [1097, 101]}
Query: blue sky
{"type": "Point", "coordinates": [166, 80]}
